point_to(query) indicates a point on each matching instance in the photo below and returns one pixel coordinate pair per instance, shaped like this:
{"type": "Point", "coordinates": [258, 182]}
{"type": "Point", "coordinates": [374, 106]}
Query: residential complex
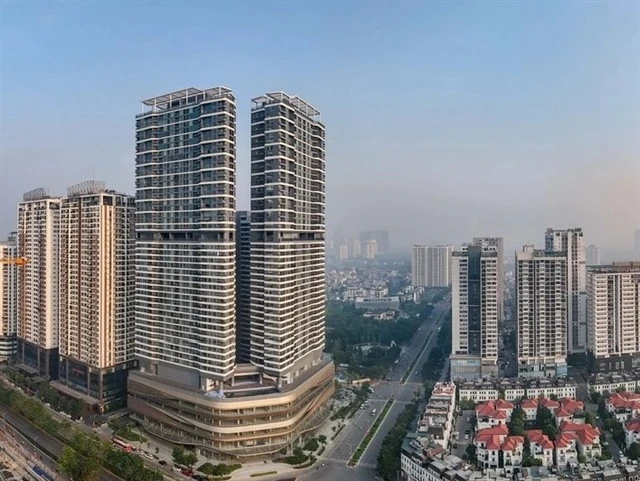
{"type": "Point", "coordinates": [96, 274]}
{"type": "Point", "coordinates": [8, 297]}
{"type": "Point", "coordinates": [517, 388]}
{"type": "Point", "coordinates": [474, 273]}
{"type": "Point", "coordinates": [39, 283]}
{"type": "Point", "coordinates": [230, 306]}
{"type": "Point", "coordinates": [498, 243]}
{"type": "Point", "coordinates": [613, 315]}
{"type": "Point", "coordinates": [541, 303]}
{"type": "Point", "coordinates": [431, 266]}
{"type": "Point", "coordinates": [287, 235]}
{"type": "Point", "coordinates": [571, 243]}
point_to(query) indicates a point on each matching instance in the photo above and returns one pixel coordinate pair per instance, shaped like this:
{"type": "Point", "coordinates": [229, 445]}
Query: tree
{"type": "Point", "coordinates": [471, 453]}
{"type": "Point", "coordinates": [516, 426]}
{"type": "Point", "coordinates": [590, 418]}
{"type": "Point", "coordinates": [181, 456]}
{"type": "Point", "coordinates": [322, 438]}
{"type": "Point", "coordinates": [582, 458]}
{"type": "Point", "coordinates": [78, 467]}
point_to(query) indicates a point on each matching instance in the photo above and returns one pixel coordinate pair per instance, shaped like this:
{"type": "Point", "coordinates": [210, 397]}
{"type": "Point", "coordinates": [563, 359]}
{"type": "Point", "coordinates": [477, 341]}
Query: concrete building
{"type": "Point", "coordinates": [571, 242]}
{"type": "Point", "coordinates": [380, 236]}
{"type": "Point", "coordinates": [371, 249]}
{"type": "Point", "coordinates": [287, 235]}
{"type": "Point", "coordinates": [474, 297]}
{"type": "Point", "coordinates": [592, 255]}
{"type": "Point", "coordinates": [355, 249]}
{"type": "Point", "coordinates": [498, 243]}
{"type": "Point", "coordinates": [431, 266]}
{"type": "Point", "coordinates": [613, 315]}
{"type": "Point", "coordinates": [185, 225]}
{"type": "Point", "coordinates": [541, 306]}
{"type": "Point", "coordinates": [38, 283]}
{"type": "Point", "coordinates": [97, 289]}
{"type": "Point", "coordinates": [343, 251]}
{"type": "Point", "coordinates": [243, 286]}
{"type": "Point", "coordinates": [8, 298]}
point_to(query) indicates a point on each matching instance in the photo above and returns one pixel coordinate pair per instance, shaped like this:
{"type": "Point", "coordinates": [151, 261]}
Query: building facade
{"type": "Point", "coordinates": [541, 303]}
{"type": "Point", "coordinates": [243, 290]}
{"type": "Point", "coordinates": [287, 235]}
{"type": "Point", "coordinates": [474, 298]}
{"type": "Point", "coordinates": [38, 283]}
{"type": "Point", "coordinates": [592, 255]}
{"type": "Point", "coordinates": [185, 228]}
{"type": "Point", "coordinates": [97, 288]}
{"type": "Point", "coordinates": [571, 242]}
{"type": "Point", "coordinates": [431, 266]}
{"type": "Point", "coordinates": [613, 316]}
{"type": "Point", "coordinates": [8, 297]}
{"type": "Point", "coordinates": [498, 243]}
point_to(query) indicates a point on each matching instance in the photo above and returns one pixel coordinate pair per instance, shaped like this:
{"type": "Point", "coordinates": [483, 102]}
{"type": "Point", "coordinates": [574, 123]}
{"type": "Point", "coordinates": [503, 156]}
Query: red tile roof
{"type": "Point", "coordinates": [492, 437]}
{"type": "Point", "coordinates": [494, 409]}
{"type": "Point", "coordinates": [586, 433]}
{"type": "Point", "coordinates": [536, 436]}
{"type": "Point", "coordinates": [529, 404]}
{"type": "Point", "coordinates": [628, 400]}
{"type": "Point", "coordinates": [512, 442]}
{"type": "Point", "coordinates": [549, 403]}
{"type": "Point", "coordinates": [565, 440]}
{"type": "Point", "coordinates": [633, 425]}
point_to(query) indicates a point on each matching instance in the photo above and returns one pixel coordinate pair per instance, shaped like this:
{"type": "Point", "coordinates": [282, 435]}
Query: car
{"type": "Point", "coordinates": [466, 436]}
{"type": "Point", "coordinates": [176, 469]}
{"type": "Point", "coordinates": [147, 455]}
{"type": "Point", "coordinates": [162, 462]}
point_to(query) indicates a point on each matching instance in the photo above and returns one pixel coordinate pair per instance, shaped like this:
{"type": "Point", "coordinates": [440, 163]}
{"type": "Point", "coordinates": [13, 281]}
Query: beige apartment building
{"type": "Point", "coordinates": [38, 283]}
{"type": "Point", "coordinates": [431, 266]}
{"type": "Point", "coordinates": [96, 330]}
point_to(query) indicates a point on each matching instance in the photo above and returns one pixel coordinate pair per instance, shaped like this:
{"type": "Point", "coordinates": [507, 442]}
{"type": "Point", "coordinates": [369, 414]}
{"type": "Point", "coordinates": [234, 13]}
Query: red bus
{"type": "Point", "coordinates": [126, 447]}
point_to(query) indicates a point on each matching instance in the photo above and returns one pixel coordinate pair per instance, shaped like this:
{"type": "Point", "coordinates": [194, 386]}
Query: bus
{"type": "Point", "coordinates": [126, 447]}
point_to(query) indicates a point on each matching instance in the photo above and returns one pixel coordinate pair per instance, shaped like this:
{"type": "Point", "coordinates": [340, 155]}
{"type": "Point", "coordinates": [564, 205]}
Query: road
{"type": "Point", "coordinates": [337, 455]}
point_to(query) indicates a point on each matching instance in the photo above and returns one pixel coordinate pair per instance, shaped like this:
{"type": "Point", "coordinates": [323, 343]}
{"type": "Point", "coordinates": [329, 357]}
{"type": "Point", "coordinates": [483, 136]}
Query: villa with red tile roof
{"type": "Point", "coordinates": [495, 448]}
{"type": "Point", "coordinates": [570, 410]}
{"type": "Point", "coordinates": [566, 448]}
{"type": "Point", "coordinates": [588, 438]}
{"type": "Point", "coordinates": [632, 431]}
{"type": "Point", "coordinates": [530, 408]}
{"type": "Point", "coordinates": [624, 405]}
{"type": "Point", "coordinates": [492, 413]}
{"type": "Point", "coordinates": [541, 446]}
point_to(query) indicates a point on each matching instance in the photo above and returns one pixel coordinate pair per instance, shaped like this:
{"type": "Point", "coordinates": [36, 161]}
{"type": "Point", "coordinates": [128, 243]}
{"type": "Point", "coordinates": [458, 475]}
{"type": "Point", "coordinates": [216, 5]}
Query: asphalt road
{"type": "Point", "coordinates": [336, 457]}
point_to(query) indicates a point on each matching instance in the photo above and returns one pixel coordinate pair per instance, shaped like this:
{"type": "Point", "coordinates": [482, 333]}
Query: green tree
{"type": "Point", "coordinates": [322, 438]}
{"type": "Point", "coordinates": [471, 453]}
{"type": "Point", "coordinates": [516, 426]}
{"type": "Point", "coordinates": [82, 459]}
{"type": "Point", "coordinates": [582, 458]}
{"type": "Point", "coordinates": [590, 418]}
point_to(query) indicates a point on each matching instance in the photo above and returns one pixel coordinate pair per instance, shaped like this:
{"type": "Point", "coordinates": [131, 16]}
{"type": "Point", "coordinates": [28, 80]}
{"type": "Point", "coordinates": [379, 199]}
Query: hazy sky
{"type": "Point", "coordinates": [444, 120]}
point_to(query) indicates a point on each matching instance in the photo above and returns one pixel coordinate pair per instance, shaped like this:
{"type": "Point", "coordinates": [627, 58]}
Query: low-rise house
{"type": "Point", "coordinates": [632, 431]}
{"type": "Point", "coordinates": [569, 410]}
{"type": "Point", "coordinates": [588, 439]}
{"type": "Point", "coordinates": [623, 405]}
{"type": "Point", "coordinates": [566, 451]}
{"type": "Point", "coordinates": [488, 442]}
{"type": "Point", "coordinates": [540, 446]}
{"type": "Point", "coordinates": [512, 453]}
{"type": "Point", "coordinates": [530, 408]}
{"type": "Point", "coordinates": [610, 383]}
{"type": "Point", "coordinates": [492, 413]}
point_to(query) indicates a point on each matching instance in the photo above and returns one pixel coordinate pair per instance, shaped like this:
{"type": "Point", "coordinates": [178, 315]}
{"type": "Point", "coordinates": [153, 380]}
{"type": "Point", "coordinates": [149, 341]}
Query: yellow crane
{"type": "Point", "coordinates": [17, 261]}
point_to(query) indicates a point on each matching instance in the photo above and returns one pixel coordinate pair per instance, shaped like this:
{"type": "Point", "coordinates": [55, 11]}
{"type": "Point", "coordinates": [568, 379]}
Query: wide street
{"type": "Point", "coordinates": [338, 454]}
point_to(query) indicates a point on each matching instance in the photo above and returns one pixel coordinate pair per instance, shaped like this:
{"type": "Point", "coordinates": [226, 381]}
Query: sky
{"type": "Point", "coordinates": [444, 120]}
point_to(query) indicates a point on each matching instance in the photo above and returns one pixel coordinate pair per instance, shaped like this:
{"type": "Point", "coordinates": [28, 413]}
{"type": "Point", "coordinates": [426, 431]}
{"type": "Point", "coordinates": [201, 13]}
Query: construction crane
{"type": "Point", "coordinates": [16, 261]}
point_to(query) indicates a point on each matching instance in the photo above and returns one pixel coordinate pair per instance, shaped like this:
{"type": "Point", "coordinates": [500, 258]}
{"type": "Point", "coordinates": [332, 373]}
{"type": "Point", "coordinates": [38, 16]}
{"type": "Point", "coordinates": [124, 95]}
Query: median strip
{"type": "Point", "coordinates": [362, 447]}
{"type": "Point", "coordinates": [407, 373]}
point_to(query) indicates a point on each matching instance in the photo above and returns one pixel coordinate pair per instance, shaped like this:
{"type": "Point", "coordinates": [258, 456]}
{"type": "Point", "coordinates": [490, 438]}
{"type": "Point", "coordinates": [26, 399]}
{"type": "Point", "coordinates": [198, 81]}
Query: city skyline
{"type": "Point", "coordinates": [464, 118]}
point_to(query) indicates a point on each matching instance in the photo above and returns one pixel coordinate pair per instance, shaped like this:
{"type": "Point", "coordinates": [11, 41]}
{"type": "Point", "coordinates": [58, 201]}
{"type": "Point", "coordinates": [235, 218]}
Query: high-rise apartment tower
{"type": "Point", "coordinates": [287, 235]}
{"type": "Point", "coordinates": [38, 282]}
{"type": "Point", "coordinates": [474, 296]}
{"type": "Point", "coordinates": [571, 242]}
{"type": "Point", "coordinates": [592, 255]}
{"type": "Point", "coordinates": [431, 266]}
{"type": "Point", "coordinates": [613, 316]}
{"type": "Point", "coordinates": [541, 306]}
{"type": "Point", "coordinates": [8, 297]}
{"type": "Point", "coordinates": [97, 288]}
{"type": "Point", "coordinates": [498, 243]}
{"type": "Point", "coordinates": [243, 287]}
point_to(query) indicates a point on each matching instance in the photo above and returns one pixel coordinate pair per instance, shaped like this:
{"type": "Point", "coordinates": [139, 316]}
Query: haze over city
{"type": "Point", "coordinates": [445, 120]}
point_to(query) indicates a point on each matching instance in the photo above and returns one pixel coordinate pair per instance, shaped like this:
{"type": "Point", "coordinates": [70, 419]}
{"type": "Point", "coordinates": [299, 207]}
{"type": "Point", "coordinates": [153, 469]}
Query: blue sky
{"type": "Point", "coordinates": [445, 119]}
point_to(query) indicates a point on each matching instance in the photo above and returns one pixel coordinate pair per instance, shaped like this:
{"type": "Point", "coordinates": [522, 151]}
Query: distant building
{"type": "Point", "coordinates": [431, 266]}
{"type": "Point", "coordinates": [498, 243]}
{"type": "Point", "coordinates": [571, 242]}
{"type": "Point", "coordinates": [380, 236]}
{"type": "Point", "coordinates": [343, 251]}
{"type": "Point", "coordinates": [378, 303]}
{"type": "Point", "coordinates": [355, 248]}
{"type": "Point", "coordinates": [39, 283]}
{"type": "Point", "coordinates": [8, 298]}
{"type": "Point", "coordinates": [541, 306]}
{"type": "Point", "coordinates": [592, 255]}
{"type": "Point", "coordinates": [371, 249]}
{"type": "Point", "coordinates": [613, 316]}
{"type": "Point", "coordinates": [474, 289]}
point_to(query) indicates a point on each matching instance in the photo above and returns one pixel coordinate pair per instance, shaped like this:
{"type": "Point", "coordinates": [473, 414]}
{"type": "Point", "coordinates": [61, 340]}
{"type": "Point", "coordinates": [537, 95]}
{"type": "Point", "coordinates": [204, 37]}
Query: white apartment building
{"type": "Point", "coordinates": [8, 297]}
{"type": "Point", "coordinates": [38, 283]}
{"type": "Point", "coordinates": [474, 351]}
{"type": "Point", "coordinates": [185, 227]}
{"type": "Point", "coordinates": [287, 235]}
{"type": "Point", "coordinates": [97, 254]}
{"type": "Point", "coordinates": [571, 242]}
{"type": "Point", "coordinates": [541, 303]}
{"type": "Point", "coordinates": [370, 249]}
{"type": "Point", "coordinates": [613, 315]}
{"type": "Point", "coordinates": [592, 255]}
{"type": "Point", "coordinates": [431, 266]}
{"type": "Point", "coordinates": [498, 243]}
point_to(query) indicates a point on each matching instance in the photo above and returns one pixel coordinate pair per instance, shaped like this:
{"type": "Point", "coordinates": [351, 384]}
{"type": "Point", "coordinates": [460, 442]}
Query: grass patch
{"type": "Point", "coordinates": [266, 473]}
{"type": "Point", "coordinates": [372, 432]}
